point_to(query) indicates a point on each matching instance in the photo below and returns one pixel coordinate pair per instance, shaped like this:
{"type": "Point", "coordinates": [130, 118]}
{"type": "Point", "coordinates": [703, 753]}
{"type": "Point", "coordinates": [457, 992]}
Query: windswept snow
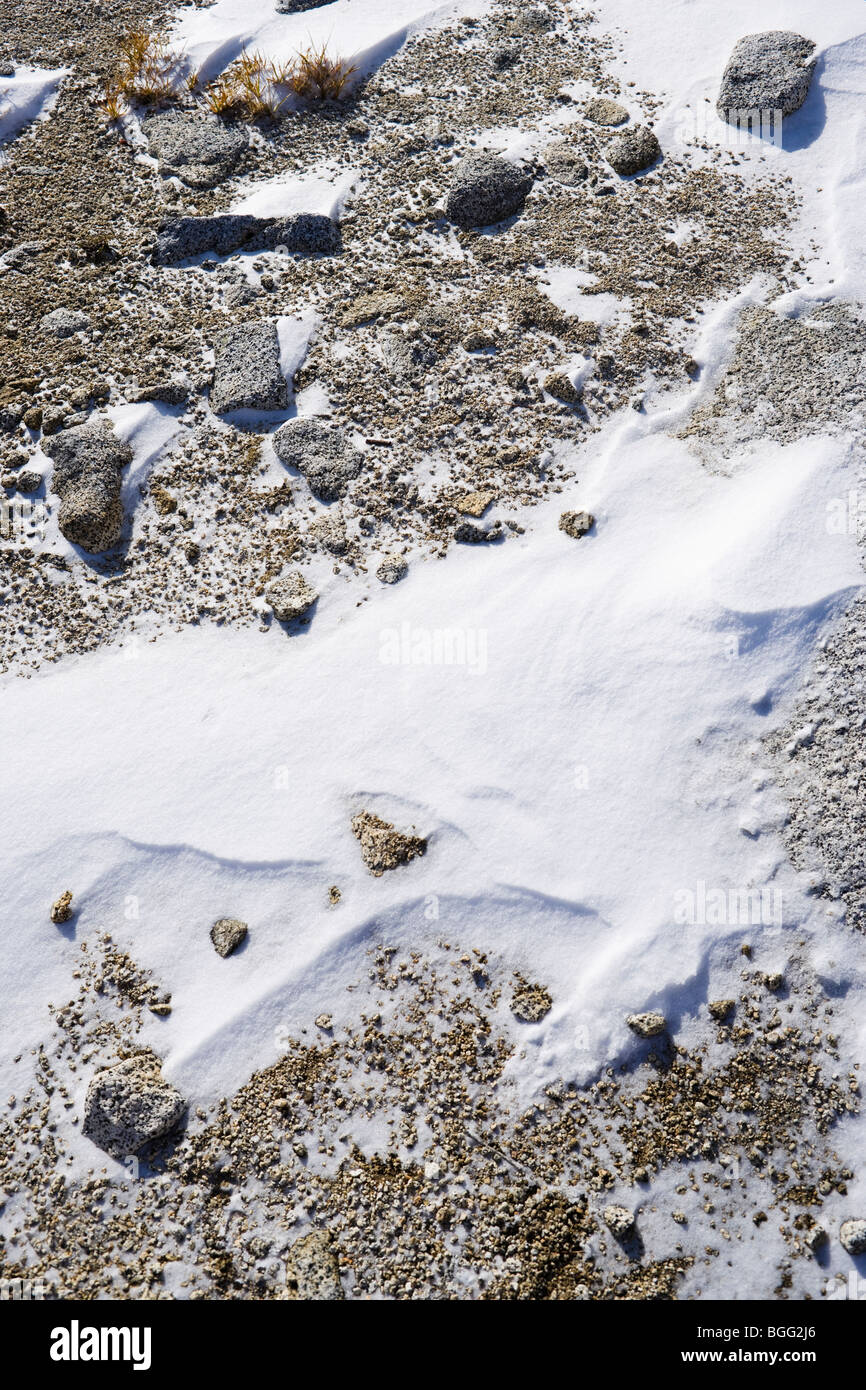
{"type": "Point", "coordinates": [26, 97]}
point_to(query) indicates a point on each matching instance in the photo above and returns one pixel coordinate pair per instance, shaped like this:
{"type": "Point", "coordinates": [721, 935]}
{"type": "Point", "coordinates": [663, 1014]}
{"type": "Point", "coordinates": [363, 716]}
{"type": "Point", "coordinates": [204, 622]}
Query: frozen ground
{"type": "Point", "coordinates": [578, 728]}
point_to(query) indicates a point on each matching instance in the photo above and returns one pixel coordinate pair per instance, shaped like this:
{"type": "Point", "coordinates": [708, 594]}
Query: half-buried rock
{"type": "Point", "coordinates": [88, 463]}
{"type": "Point", "coordinates": [129, 1105]}
{"type": "Point", "coordinates": [766, 72]}
{"type": "Point", "coordinates": [383, 847]}
{"type": "Point", "coordinates": [312, 1271]}
{"type": "Point", "coordinates": [326, 458]}
{"type": "Point", "coordinates": [227, 935]}
{"type": "Point", "coordinates": [199, 150]}
{"type": "Point", "coordinates": [486, 189]}
{"type": "Point", "coordinates": [247, 372]}
{"type": "Point", "coordinates": [290, 597]}
{"type": "Point", "coordinates": [633, 151]}
{"type": "Point", "coordinates": [302, 234]}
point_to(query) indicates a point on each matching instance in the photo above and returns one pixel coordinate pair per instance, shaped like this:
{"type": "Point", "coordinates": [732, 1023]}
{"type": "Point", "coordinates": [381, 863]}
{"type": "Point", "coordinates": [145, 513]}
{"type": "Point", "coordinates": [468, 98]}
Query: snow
{"type": "Point", "coordinates": [26, 97]}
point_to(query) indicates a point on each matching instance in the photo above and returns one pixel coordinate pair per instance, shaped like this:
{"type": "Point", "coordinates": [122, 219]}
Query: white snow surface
{"type": "Point", "coordinates": [592, 751]}
{"type": "Point", "coordinates": [26, 96]}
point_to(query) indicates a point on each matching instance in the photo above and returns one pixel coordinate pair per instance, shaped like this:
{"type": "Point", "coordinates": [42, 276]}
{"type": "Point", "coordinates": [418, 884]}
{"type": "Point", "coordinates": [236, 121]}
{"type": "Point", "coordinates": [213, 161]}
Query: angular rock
{"type": "Point", "coordinates": [88, 462]}
{"type": "Point", "coordinates": [619, 1220]}
{"type": "Point", "coordinates": [312, 1271]}
{"type": "Point", "coordinates": [62, 323]}
{"type": "Point", "coordinates": [392, 569]}
{"type": "Point", "coordinates": [852, 1234]}
{"type": "Point", "coordinates": [61, 911]}
{"type": "Point", "coordinates": [633, 150]}
{"type": "Point", "coordinates": [720, 1009]}
{"type": "Point", "coordinates": [486, 189]}
{"type": "Point", "coordinates": [648, 1025]}
{"type": "Point", "coordinates": [323, 455]}
{"type": "Point", "coordinates": [290, 597]}
{"type": "Point", "coordinates": [770, 71]}
{"type": "Point", "coordinates": [604, 111]}
{"type": "Point", "coordinates": [382, 846]}
{"type": "Point", "coordinates": [560, 385]}
{"type": "Point", "coordinates": [227, 935]}
{"type": "Point", "coordinates": [576, 524]}
{"type": "Point", "coordinates": [202, 151]}
{"type": "Point", "coordinates": [129, 1105]}
{"type": "Point", "coordinates": [465, 533]}
{"type": "Point", "coordinates": [247, 372]}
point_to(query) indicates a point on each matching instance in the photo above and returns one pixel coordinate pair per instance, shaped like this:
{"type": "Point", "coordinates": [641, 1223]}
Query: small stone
{"type": "Point", "coordinates": [392, 569]}
{"type": "Point", "coordinates": [647, 1025]}
{"type": "Point", "coordinates": [227, 935]}
{"type": "Point", "coordinates": [774, 981]}
{"type": "Point", "coordinates": [766, 72]}
{"type": "Point", "coordinates": [62, 323]}
{"type": "Point", "coordinates": [290, 597]}
{"type": "Point", "coordinates": [373, 306]}
{"type": "Point", "coordinates": [486, 189]}
{"type": "Point", "coordinates": [467, 534]}
{"type": "Point", "coordinates": [633, 151]}
{"type": "Point", "coordinates": [604, 111]}
{"type": "Point", "coordinates": [474, 503]}
{"type": "Point", "coordinates": [382, 846]}
{"type": "Point", "coordinates": [478, 339]}
{"type": "Point", "coordinates": [129, 1105]}
{"type": "Point", "coordinates": [852, 1234]}
{"type": "Point", "coordinates": [721, 1008]}
{"type": "Point", "coordinates": [247, 372]}
{"type": "Point", "coordinates": [531, 1003]}
{"type": "Point", "coordinates": [619, 1220]}
{"type": "Point", "coordinates": [61, 911]}
{"type": "Point", "coordinates": [576, 524]}
{"type": "Point", "coordinates": [560, 385]}
{"type": "Point", "coordinates": [26, 481]}
{"type": "Point", "coordinates": [325, 1022]}
{"type": "Point", "coordinates": [815, 1237]}
{"type": "Point", "coordinates": [312, 1271]}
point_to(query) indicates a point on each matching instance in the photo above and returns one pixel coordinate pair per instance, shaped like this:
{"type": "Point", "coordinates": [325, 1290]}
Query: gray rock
{"type": "Point", "coordinates": [852, 1234]}
{"type": "Point", "coordinates": [202, 151]}
{"type": "Point", "coordinates": [323, 455]}
{"type": "Point", "coordinates": [468, 534]}
{"type": "Point", "coordinates": [604, 111]}
{"type": "Point", "coordinates": [565, 164]}
{"type": "Point", "coordinates": [407, 360]}
{"type": "Point", "coordinates": [303, 234]}
{"type": "Point", "coordinates": [486, 189]}
{"type": "Point", "coordinates": [633, 150]}
{"type": "Point", "coordinates": [290, 597]}
{"type": "Point", "coordinates": [26, 481]}
{"type": "Point", "coordinates": [648, 1025]}
{"type": "Point", "coordinates": [247, 372]}
{"type": "Point", "coordinates": [88, 462]}
{"type": "Point", "coordinates": [576, 524]}
{"type": "Point", "coordinates": [619, 1220]}
{"type": "Point", "coordinates": [227, 935]}
{"type": "Point", "coordinates": [392, 569]}
{"type": "Point", "coordinates": [129, 1105]}
{"type": "Point", "coordinates": [62, 323]}
{"type": "Point", "coordinates": [298, 6]}
{"type": "Point", "coordinates": [312, 1271]}
{"type": "Point", "coordinates": [766, 72]}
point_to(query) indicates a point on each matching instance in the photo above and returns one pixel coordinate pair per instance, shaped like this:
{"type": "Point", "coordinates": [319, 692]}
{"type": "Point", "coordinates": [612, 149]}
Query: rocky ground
{"type": "Point", "coordinates": [457, 385]}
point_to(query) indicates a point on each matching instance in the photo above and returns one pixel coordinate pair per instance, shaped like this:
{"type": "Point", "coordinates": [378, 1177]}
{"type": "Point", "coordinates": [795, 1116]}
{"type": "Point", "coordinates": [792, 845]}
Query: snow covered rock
{"type": "Point", "coordinates": [323, 455]}
{"type": "Point", "coordinates": [766, 72]}
{"type": "Point", "coordinates": [200, 151]}
{"type": "Point", "coordinates": [129, 1105]}
{"type": "Point", "coordinates": [247, 372]}
{"type": "Point", "coordinates": [633, 151]}
{"type": "Point", "coordinates": [290, 597]}
{"type": "Point", "coordinates": [227, 935]}
{"type": "Point", "coordinates": [486, 189]}
{"type": "Point", "coordinates": [62, 323]}
{"type": "Point", "coordinates": [88, 462]}
{"type": "Point", "coordinates": [312, 1272]}
{"type": "Point", "coordinates": [852, 1234]}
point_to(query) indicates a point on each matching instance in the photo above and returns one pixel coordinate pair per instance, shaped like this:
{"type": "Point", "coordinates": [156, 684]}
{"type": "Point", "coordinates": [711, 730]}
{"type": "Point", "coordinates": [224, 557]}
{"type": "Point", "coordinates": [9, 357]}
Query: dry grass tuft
{"type": "Point", "coordinates": [318, 77]}
{"type": "Point", "coordinates": [246, 90]}
{"type": "Point", "coordinates": [148, 70]}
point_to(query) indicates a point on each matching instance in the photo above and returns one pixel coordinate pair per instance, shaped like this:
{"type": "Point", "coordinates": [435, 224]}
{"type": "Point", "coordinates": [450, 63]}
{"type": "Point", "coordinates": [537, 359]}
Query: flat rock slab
{"type": "Point", "coordinates": [88, 463]}
{"type": "Point", "coordinates": [312, 1272]}
{"type": "Point", "coordinates": [766, 72]}
{"type": "Point", "coordinates": [299, 6]}
{"type": "Point", "coordinates": [130, 1105]}
{"type": "Point", "coordinates": [302, 234]}
{"type": "Point", "coordinates": [247, 372]}
{"type": "Point", "coordinates": [202, 151]}
{"type": "Point", "coordinates": [325, 457]}
{"type": "Point", "coordinates": [633, 151]}
{"type": "Point", "coordinates": [486, 189]}
{"type": "Point", "coordinates": [604, 111]}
